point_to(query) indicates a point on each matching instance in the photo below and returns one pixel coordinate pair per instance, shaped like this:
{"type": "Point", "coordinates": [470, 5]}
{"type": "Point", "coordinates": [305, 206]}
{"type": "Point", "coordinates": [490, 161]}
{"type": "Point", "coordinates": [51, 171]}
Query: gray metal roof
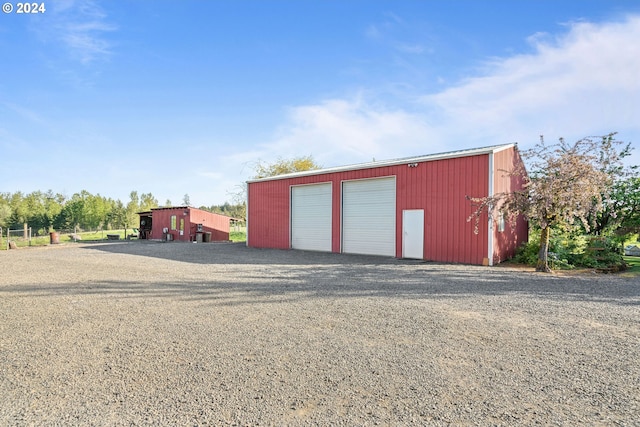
{"type": "Point", "coordinates": [393, 162]}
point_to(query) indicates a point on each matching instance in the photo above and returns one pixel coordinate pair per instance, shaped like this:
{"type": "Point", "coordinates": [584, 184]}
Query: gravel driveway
{"type": "Point", "coordinates": [144, 333]}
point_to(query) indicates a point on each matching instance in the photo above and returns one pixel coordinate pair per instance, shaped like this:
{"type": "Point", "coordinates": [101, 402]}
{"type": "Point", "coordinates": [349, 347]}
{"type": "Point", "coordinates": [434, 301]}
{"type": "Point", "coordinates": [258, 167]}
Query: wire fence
{"type": "Point", "coordinates": [16, 238]}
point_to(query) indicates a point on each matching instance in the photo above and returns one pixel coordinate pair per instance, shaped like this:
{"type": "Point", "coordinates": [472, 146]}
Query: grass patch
{"type": "Point", "coordinates": [87, 236]}
{"type": "Point", "coordinates": [238, 236]}
{"type": "Point", "coordinates": [634, 266]}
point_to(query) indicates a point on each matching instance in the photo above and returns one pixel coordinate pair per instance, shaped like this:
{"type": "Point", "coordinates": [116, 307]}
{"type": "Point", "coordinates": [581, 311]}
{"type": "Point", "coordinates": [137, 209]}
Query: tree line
{"type": "Point", "coordinates": [48, 211]}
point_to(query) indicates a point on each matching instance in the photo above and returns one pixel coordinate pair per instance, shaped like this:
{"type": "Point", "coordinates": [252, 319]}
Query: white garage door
{"type": "Point", "coordinates": [369, 216]}
{"type": "Point", "coordinates": [311, 217]}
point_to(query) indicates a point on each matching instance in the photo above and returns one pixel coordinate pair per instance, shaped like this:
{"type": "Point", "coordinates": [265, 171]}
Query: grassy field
{"type": "Point", "coordinates": [92, 236]}
{"type": "Point", "coordinates": [633, 261]}
{"type": "Point", "coordinates": [634, 265]}
{"type": "Point", "coordinates": [88, 236]}
{"type": "Point", "coordinates": [238, 236]}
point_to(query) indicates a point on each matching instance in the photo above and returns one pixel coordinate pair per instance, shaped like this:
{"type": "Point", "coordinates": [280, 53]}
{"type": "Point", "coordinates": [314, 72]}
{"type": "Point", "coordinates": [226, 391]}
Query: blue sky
{"type": "Point", "coordinates": [184, 97]}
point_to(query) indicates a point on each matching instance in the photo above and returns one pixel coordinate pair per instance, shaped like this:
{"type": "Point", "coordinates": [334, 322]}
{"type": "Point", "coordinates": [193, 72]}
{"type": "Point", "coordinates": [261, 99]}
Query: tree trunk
{"type": "Point", "coordinates": [543, 253]}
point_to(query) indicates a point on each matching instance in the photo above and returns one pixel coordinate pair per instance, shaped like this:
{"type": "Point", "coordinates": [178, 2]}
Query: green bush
{"type": "Point", "coordinates": [571, 251]}
{"type": "Point", "coordinates": [602, 253]}
{"type": "Point", "coordinates": [528, 253]}
{"type": "Point", "coordinates": [560, 251]}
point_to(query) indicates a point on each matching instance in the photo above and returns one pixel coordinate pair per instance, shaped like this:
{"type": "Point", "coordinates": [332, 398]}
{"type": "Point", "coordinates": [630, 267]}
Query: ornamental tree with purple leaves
{"type": "Point", "coordinates": [565, 185]}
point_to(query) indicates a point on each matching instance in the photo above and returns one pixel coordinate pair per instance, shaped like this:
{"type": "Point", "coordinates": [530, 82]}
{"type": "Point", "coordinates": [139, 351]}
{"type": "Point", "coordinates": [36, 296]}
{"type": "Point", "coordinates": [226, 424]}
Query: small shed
{"type": "Point", "coordinates": [632, 250]}
{"type": "Point", "coordinates": [406, 208]}
{"type": "Point", "coordinates": [183, 223]}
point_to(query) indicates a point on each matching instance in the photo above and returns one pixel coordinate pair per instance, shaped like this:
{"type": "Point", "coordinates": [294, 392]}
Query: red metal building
{"type": "Point", "coordinates": [406, 208]}
{"type": "Point", "coordinates": [183, 223]}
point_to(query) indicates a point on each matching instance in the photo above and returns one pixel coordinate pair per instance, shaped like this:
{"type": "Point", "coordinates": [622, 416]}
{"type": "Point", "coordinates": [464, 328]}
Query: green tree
{"type": "Point", "coordinates": [96, 211]}
{"type": "Point", "coordinates": [284, 166]}
{"type": "Point", "coordinates": [52, 208]}
{"type": "Point", "coordinates": [5, 210]}
{"type": "Point", "coordinates": [133, 207]}
{"type": "Point", "coordinates": [19, 210]}
{"type": "Point", "coordinates": [567, 185]}
{"type": "Point", "coordinates": [620, 216]}
{"type": "Point", "coordinates": [631, 210]}
{"type": "Point", "coordinates": [264, 170]}
{"type": "Point", "coordinates": [228, 209]}
{"type": "Point", "coordinates": [147, 202]}
{"type": "Point", "coordinates": [118, 215]}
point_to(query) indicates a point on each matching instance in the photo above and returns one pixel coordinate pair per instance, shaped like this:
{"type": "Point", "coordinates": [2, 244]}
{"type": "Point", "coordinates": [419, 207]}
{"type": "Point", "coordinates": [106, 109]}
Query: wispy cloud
{"type": "Point", "coordinates": [81, 26]}
{"type": "Point", "coordinates": [582, 82]}
{"type": "Point", "coordinates": [400, 36]}
{"type": "Point", "coordinates": [339, 131]}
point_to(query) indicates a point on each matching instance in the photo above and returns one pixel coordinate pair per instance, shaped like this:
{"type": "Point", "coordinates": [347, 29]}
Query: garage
{"type": "Point", "coordinates": [311, 217]}
{"type": "Point", "coordinates": [412, 207]}
{"type": "Point", "coordinates": [369, 216]}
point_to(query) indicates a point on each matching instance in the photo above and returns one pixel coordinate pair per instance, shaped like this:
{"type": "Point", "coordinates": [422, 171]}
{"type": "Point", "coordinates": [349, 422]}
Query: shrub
{"type": "Point", "coordinates": [571, 251]}
{"type": "Point", "coordinates": [602, 253]}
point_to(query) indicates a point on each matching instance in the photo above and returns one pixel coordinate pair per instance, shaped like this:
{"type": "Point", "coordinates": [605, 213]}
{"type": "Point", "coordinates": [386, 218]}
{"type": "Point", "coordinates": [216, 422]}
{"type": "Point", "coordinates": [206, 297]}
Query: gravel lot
{"type": "Point", "coordinates": [144, 333]}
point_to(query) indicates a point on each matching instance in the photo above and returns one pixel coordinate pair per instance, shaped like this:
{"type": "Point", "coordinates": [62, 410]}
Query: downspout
{"type": "Point", "coordinates": [490, 213]}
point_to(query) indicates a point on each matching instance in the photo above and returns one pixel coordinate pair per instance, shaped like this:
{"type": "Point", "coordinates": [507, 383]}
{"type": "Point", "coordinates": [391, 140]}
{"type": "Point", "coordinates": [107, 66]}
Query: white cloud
{"type": "Point", "coordinates": [81, 26]}
{"type": "Point", "coordinates": [339, 131]}
{"type": "Point", "coordinates": [581, 83]}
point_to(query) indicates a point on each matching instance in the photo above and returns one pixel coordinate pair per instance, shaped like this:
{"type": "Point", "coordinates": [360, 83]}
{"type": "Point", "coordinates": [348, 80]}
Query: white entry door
{"type": "Point", "coordinates": [413, 233]}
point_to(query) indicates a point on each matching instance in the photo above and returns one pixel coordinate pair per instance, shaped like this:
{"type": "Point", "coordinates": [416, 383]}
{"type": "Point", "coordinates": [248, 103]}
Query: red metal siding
{"type": "Point", "coordinates": [268, 214]}
{"type": "Point", "coordinates": [217, 225]}
{"type": "Point", "coordinates": [439, 187]}
{"type": "Point", "coordinates": [507, 242]}
{"type": "Point", "coordinates": [161, 218]}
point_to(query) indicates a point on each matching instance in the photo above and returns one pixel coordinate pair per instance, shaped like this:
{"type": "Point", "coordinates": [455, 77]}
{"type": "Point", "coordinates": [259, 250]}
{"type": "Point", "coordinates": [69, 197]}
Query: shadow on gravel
{"type": "Point", "coordinates": [230, 253]}
{"type": "Point", "coordinates": [241, 275]}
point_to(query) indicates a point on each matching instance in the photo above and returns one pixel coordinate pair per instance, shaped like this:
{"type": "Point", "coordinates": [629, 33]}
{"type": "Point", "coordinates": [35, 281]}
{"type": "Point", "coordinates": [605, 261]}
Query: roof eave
{"type": "Point", "coordinates": [392, 162]}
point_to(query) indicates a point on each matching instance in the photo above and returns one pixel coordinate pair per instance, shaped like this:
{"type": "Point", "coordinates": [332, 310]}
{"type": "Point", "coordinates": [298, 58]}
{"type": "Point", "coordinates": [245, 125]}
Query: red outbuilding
{"type": "Point", "coordinates": [406, 208]}
{"type": "Point", "coordinates": [183, 223]}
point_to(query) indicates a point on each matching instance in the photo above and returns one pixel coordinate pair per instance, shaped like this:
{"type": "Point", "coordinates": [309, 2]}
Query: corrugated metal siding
{"type": "Point", "coordinates": [217, 225]}
{"type": "Point", "coordinates": [268, 214]}
{"type": "Point", "coordinates": [507, 242]}
{"type": "Point", "coordinates": [439, 187]}
{"type": "Point", "coordinates": [161, 218]}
